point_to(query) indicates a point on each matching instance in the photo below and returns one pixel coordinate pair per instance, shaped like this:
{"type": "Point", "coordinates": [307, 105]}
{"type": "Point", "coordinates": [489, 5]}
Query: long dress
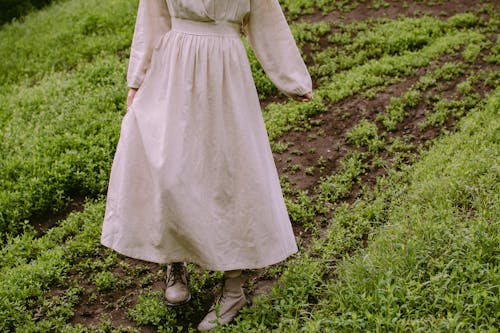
{"type": "Point", "coordinates": [193, 178]}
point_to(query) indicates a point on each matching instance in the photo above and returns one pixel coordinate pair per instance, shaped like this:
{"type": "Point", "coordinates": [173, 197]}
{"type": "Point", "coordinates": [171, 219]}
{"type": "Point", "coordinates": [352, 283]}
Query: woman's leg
{"type": "Point", "coordinates": [177, 291]}
{"type": "Point", "coordinates": [228, 304]}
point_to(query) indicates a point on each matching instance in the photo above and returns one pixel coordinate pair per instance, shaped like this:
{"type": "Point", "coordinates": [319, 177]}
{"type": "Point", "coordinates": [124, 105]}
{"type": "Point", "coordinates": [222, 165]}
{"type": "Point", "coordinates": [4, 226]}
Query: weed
{"type": "Point", "coordinates": [297, 152]}
{"type": "Point", "coordinates": [443, 109]}
{"type": "Point", "coordinates": [365, 134]}
{"type": "Point", "coordinates": [302, 210]}
{"type": "Point", "coordinates": [151, 310]}
{"type": "Point", "coordinates": [280, 147]}
{"type": "Point", "coordinates": [338, 186]}
{"type": "Point", "coordinates": [105, 281]}
{"type": "Point", "coordinates": [397, 110]}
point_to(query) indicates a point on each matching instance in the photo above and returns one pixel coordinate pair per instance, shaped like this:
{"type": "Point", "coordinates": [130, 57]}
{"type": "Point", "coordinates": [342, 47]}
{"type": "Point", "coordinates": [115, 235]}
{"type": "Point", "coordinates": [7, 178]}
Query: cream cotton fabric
{"type": "Point", "coordinates": [193, 177]}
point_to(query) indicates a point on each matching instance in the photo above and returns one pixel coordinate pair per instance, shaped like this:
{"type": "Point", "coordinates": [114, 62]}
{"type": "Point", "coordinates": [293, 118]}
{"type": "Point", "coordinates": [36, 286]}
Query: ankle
{"type": "Point", "coordinates": [232, 274]}
{"type": "Point", "coordinates": [233, 282]}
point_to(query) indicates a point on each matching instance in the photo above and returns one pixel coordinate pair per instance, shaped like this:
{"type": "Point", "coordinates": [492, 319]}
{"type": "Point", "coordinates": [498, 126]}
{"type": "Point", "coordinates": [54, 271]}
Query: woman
{"type": "Point", "coordinates": [193, 179]}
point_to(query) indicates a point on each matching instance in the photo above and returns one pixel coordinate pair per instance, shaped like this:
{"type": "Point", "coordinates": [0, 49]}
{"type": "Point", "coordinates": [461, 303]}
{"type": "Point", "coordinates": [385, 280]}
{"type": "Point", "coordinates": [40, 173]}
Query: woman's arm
{"type": "Point", "coordinates": [274, 46]}
{"type": "Point", "coordinates": [152, 22]}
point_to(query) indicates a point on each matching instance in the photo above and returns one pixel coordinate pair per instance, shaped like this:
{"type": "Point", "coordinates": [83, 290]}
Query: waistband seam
{"type": "Point", "coordinates": [208, 28]}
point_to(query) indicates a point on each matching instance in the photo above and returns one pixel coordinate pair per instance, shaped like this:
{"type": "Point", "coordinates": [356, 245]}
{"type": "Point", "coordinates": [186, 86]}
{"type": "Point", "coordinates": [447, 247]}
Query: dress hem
{"type": "Point", "coordinates": [157, 260]}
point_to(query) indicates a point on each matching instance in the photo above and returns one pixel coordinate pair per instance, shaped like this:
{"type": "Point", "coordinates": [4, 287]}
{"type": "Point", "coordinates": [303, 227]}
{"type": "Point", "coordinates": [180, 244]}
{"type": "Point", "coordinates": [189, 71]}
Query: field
{"type": "Point", "coordinates": [391, 175]}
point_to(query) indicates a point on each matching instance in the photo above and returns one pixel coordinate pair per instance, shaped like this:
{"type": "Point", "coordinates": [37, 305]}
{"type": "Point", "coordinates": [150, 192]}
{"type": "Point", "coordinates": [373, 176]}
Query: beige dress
{"type": "Point", "coordinates": [193, 177]}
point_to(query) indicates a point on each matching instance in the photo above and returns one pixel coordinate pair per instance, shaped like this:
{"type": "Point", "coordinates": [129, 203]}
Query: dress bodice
{"type": "Point", "coordinates": [233, 11]}
{"type": "Point", "coordinates": [262, 21]}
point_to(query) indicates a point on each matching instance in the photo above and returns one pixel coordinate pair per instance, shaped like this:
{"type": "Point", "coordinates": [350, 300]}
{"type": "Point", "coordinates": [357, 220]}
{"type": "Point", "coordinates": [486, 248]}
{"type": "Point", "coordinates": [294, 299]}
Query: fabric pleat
{"type": "Point", "coordinates": [193, 177]}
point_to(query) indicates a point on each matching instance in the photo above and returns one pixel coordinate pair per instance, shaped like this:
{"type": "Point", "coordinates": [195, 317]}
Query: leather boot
{"type": "Point", "coordinates": [177, 292]}
{"type": "Point", "coordinates": [227, 305]}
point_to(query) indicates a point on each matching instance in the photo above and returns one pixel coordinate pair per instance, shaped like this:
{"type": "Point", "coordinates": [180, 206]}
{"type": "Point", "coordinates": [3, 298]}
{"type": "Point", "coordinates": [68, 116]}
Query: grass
{"type": "Point", "coordinates": [14, 9]}
{"type": "Point", "coordinates": [82, 32]}
{"type": "Point", "coordinates": [433, 266]}
{"type": "Point", "coordinates": [397, 110]}
{"type": "Point", "coordinates": [59, 140]}
{"type": "Point", "coordinates": [365, 134]}
{"type": "Point", "coordinates": [418, 252]}
{"type": "Point", "coordinates": [44, 167]}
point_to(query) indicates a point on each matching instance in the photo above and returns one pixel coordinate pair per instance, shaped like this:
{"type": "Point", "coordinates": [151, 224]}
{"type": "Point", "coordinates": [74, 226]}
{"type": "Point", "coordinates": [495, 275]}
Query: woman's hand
{"type": "Point", "coordinates": [130, 96]}
{"type": "Point", "coordinates": [304, 98]}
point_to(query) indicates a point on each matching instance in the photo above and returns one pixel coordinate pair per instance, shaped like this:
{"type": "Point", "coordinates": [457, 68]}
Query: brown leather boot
{"type": "Point", "coordinates": [227, 305]}
{"type": "Point", "coordinates": [177, 292]}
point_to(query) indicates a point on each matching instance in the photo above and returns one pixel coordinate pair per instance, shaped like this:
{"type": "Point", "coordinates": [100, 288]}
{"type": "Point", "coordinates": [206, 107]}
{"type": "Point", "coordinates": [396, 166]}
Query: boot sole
{"type": "Point", "coordinates": [177, 304]}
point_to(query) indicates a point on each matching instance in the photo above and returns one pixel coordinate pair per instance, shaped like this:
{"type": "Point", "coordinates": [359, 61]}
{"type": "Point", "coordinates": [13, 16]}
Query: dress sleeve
{"type": "Point", "coordinates": [272, 41]}
{"type": "Point", "coordinates": [153, 20]}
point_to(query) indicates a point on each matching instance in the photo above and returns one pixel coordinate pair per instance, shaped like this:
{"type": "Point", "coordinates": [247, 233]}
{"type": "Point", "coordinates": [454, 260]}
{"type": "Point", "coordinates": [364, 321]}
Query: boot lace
{"type": "Point", "coordinates": [176, 273]}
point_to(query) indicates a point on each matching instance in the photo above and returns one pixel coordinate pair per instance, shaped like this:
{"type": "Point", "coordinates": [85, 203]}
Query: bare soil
{"type": "Point", "coordinates": [327, 139]}
{"type": "Point", "coordinates": [364, 11]}
{"type": "Point", "coordinates": [43, 223]}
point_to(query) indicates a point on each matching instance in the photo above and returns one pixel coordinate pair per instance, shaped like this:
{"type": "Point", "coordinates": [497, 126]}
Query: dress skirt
{"type": "Point", "coordinates": [193, 177]}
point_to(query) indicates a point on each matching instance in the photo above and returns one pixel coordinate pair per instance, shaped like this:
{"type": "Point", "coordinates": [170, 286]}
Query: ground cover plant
{"type": "Point", "coordinates": [10, 9]}
{"type": "Point", "coordinates": [390, 175]}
